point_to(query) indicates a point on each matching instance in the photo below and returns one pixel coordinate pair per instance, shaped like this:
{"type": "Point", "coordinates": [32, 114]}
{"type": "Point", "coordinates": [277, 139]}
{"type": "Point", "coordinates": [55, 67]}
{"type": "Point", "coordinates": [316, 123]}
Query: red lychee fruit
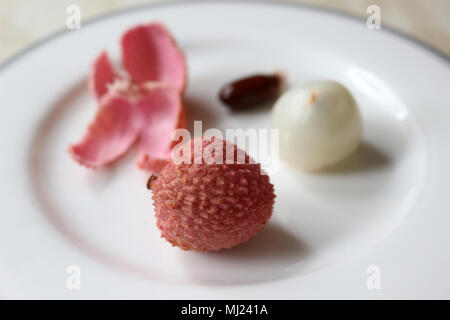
{"type": "Point", "coordinates": [208, 204]}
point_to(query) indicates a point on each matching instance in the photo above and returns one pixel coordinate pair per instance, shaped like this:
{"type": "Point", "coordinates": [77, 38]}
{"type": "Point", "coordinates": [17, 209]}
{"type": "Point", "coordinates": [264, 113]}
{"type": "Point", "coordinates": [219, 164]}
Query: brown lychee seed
{"type": "Point", "coordinates": [252, 91]}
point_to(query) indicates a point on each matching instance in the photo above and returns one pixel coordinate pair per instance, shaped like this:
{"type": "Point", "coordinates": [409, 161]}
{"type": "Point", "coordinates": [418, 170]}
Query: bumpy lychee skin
{"type": "Point", "coordinates": [208, 207]}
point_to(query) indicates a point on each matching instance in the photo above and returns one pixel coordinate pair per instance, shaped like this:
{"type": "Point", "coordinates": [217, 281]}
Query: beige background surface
{"type": "Point", "coordinates": [23, 22]}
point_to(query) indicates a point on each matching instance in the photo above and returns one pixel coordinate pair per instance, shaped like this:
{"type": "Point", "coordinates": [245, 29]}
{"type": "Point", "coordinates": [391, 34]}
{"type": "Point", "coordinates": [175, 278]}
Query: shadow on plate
{"type": "Point", "coordinates": [272, 254]}
{"type": "Point", "coordinates": [198, 110]}
{"type": "Point", "coordinates": [255, 109]}
{"type": "Point", "coordinates": [273, 242]}
{"type": "Point", "coordinates": [367, 157]}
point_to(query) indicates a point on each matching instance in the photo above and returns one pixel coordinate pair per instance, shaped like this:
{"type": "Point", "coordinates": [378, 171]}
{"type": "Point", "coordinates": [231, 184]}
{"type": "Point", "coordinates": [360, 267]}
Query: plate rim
{"type": "Point", "coordinates": [97, 18]}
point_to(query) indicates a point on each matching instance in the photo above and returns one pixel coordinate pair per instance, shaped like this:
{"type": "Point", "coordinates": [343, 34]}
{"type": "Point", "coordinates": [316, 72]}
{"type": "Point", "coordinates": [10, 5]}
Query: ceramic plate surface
{"type": "Point", "coordinates": [386, 206]}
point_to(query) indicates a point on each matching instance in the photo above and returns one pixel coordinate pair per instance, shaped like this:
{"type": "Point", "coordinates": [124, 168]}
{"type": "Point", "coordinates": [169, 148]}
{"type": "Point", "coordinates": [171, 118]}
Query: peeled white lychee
{"type": "Point", "coordinates": [319, 124]}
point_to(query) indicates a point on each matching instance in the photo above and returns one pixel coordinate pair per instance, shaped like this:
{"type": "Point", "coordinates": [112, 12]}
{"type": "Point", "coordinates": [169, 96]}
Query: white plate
{"type": "Point", "coordinates": [387, 206]}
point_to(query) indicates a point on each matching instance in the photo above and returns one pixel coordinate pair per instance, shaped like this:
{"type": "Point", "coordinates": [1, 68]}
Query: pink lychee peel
{"type": "Point", "coordinates": [144, 106]}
